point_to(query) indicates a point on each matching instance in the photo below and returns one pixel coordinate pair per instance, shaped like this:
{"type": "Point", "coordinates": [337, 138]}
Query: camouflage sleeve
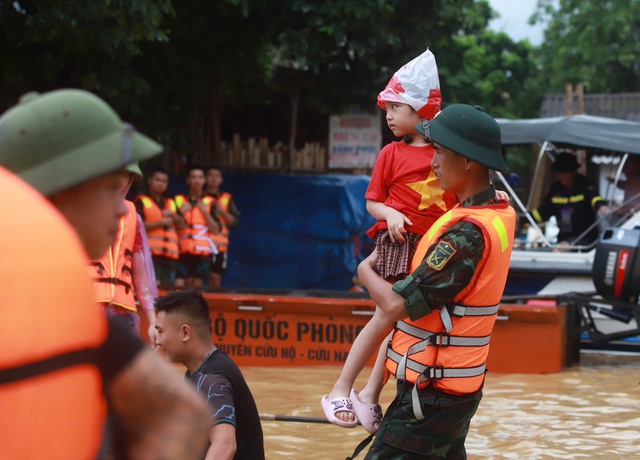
{"type": "Point", "coordinates": [446, 270]}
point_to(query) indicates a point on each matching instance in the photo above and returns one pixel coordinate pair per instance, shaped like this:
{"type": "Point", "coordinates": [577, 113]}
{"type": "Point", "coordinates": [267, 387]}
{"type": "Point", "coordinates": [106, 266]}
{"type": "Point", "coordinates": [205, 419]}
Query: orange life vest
{"type": "Point", "coordinates": [112, 273]}
{"type": "Point", "coordinates": [222, 239]}
{"type": "Point", "coordinates": [195, 238]}
{"type": "Point", "coordinates": [448, 348]}
{"type": "Point", "coordinates": [163, 241]}
{"type": "Point", "coordinates": [50, 388]}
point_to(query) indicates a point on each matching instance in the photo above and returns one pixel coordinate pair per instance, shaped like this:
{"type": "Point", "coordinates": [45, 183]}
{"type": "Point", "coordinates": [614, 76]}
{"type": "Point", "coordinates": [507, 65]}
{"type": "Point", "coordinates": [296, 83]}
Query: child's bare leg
{"type": "Point", "coordinates": [370, 394]}
{"type": "Point", "coordinates": [361, 351]}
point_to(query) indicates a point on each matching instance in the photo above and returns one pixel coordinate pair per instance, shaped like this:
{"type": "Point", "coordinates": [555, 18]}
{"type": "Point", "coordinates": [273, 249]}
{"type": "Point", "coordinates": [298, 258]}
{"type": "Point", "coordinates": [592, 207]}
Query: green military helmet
{"type": "Point", "coordinates": [63, 138]}
{"type": "Point", "coordinates": [134, 168]}
{"type": "Point", "coordinates": [468, 131]}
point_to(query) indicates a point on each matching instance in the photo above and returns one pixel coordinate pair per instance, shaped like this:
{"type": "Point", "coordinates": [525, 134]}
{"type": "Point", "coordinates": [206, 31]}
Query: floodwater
{"type": "Point", "coordinates": [588, 411]}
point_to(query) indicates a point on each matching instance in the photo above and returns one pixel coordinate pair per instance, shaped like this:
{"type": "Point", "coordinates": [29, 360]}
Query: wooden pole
{"type": "Point", "coordinates": [569, 100]}
{"type": "Point", "coordinates": [580, 94]}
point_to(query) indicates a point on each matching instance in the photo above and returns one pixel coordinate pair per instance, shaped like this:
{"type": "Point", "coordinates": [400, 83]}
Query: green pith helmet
{"type": "Point", "coordinates": [469, 132]}
{"type": "Point", "coordinates": [63, 138]}
{"type": "Point", "coordinates": [134, 168]}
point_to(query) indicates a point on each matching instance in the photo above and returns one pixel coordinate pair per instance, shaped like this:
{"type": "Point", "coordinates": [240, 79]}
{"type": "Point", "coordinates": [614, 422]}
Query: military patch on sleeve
{"type": "Point", "coordinates": [440, 255]}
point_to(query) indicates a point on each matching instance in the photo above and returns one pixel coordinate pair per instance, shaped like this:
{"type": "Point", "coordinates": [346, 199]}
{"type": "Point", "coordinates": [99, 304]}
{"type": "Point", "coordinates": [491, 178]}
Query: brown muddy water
{"type": "Point", "coordinates": [588, 411]}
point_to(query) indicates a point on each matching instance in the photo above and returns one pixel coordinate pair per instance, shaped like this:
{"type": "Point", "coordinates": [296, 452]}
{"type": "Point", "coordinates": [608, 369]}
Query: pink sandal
{"type": "Point", "coordinates": [331, 408]}
{"type": "Point", "coordinates": [369, 415]}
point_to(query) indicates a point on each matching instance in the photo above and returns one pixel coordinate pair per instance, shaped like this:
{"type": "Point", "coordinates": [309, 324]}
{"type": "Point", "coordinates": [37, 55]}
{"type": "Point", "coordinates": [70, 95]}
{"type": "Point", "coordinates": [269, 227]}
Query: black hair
{"type": "Point", "coordinates": [188, 302]}
{"type": "Point", "coordinates": [192, 167]}
{"type": "Point", "coordinates": [210, 167]}
{"type": "Point", "coordinates": [158, 169]}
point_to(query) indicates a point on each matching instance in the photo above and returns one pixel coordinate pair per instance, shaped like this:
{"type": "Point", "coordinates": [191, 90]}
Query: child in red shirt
{"type": "Point", "coordinates": [406, 199]}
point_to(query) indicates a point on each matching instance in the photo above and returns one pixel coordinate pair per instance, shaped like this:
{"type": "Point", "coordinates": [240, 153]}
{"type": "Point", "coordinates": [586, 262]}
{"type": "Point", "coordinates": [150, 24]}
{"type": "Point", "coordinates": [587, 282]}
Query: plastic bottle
{"type": "Point", "coordinates": [551, 230]}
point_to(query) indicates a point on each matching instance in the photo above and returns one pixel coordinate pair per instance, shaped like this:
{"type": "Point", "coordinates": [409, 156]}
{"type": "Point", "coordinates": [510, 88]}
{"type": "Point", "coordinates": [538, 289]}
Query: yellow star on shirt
{"type": "Point", "coordinates": [430, 192]}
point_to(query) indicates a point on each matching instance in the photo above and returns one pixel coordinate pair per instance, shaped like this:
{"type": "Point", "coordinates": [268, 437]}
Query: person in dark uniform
{"type": "Point", "coordinates": [184, 328]}
{"type": "Point", "coordinates": [573, 200]}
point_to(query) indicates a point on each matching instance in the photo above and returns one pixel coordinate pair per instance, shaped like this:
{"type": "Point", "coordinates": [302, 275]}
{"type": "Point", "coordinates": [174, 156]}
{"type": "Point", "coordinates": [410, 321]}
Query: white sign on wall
{"type": "Point", "coordinates": [354, 140]}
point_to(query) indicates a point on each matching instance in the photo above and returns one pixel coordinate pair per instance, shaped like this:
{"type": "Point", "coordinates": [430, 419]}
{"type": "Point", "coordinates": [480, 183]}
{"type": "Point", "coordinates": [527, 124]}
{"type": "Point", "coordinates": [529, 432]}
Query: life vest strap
{"type": "Point", "coordinates": [460, 311]}
{"type": "Point", "coordinates": [465, 310]}
{"type": "Point", "coordinates": [430, 372]}
{"type": "Point", "coordinates": [48, 365]}
{"type": "Point", "coordinates": [443, 339]}
{"type": "Point", "coordinates": [116, 281]}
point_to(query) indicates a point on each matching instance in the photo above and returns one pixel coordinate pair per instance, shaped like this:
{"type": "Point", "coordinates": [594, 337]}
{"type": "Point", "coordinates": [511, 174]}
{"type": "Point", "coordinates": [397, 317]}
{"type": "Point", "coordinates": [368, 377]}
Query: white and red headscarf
{"type": "Point", "coordinates": [416, 84]}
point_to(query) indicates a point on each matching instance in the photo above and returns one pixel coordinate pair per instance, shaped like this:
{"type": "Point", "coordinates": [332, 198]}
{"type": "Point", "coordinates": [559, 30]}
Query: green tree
{"type": "Point", "coordinates": [490, 69]}
{"type": "Point", "coordinates": [594, 42]}
{"type": "Point", "coordinates": [92, 45]}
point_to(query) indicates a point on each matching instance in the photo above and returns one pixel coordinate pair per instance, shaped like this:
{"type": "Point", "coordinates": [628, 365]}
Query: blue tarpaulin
{"type": "Point", "coordinates": [296, 231]}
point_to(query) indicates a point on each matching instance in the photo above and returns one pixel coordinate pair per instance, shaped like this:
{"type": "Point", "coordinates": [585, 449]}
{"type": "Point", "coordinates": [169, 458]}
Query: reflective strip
{"type": "Point", "coordinates": [435, 372]}
{"type": "Point", "coordinates": [559, 200]}
{"type": "Point", "coordinates": [438, 224]}
{"type": "Point", "coordinates": [576, 198]}
{"type": "Point", "coordinates": [442, 340]}
{"type": "Point", "coordinates": [146, 202]}
{"type": "Point", "coordinates": [463, 310]}
{"type": "Point", "coordinates": [445, 319]}
{"type": "Point", "coordinates": [536, 215]}
{"type": "Point", "coordinates": [502, 232]}
{"type": "Point", "coordinates": [595, 200]}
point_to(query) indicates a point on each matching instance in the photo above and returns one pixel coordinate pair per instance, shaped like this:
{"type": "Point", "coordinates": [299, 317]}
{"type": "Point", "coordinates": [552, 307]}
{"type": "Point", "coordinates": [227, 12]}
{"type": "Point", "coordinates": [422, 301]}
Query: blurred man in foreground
{"type": "Point", "coordinates": [62, 359]}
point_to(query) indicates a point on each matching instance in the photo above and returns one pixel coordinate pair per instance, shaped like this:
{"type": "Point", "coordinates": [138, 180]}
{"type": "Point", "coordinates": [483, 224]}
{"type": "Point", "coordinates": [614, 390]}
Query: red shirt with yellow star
{"type": "Point", "coordinates": [403, 180]}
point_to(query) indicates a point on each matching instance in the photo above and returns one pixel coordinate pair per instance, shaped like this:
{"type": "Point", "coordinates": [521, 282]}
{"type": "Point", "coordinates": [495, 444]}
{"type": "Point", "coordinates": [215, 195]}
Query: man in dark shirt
{"type": "Point", "coordinates": [184, 328]}
{"type": "Point", "coordinates": [573, 200]}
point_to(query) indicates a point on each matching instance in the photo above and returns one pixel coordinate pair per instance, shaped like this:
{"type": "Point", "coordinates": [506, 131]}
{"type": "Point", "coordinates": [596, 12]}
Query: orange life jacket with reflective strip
{"type": "Point", "coordinates": [113, 273]}
{"type": "Point", "coordinates": [163, 241]}
{"type": "Point", "coordinates": [195, 238]}
{"type": "Point", "coordinates": [448, 348]}
{"type": "Point", "coordinates": [50, 387]}
{"type": "Point", "coordinates": [222, 239]}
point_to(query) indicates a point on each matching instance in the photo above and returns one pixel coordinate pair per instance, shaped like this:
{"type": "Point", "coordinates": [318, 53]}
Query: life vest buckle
{"type": "Point", "coordinates": [433, 373]}
{"type": "Point", "coordinates": [440, 340]}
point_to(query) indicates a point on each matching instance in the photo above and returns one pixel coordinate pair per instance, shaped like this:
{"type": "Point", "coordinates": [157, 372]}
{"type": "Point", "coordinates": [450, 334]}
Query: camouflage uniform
{"type": "Point", "coordinates": [447, 269]}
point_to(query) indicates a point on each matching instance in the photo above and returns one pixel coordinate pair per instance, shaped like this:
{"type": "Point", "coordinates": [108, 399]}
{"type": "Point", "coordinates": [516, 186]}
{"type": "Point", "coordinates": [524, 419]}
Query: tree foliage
{"type": "Point", "coordinates": [92, 45]}
{"type": "Point", "coordinates": [595, 42]}
{"type": "Point", "coordinates": [186, 71]}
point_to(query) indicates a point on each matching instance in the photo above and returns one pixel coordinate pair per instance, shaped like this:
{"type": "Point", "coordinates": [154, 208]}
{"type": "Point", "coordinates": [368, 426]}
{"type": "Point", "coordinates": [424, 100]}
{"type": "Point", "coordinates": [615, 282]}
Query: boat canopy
{"type": "Point", "coordinates": [580, 130]}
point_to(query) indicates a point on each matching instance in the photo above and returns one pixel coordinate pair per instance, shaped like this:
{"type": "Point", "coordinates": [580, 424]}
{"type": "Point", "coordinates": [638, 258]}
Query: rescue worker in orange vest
{"type": "Point", "coordinates": [161, 221]}
{"type": "Point", "coordinates": [447, 307]}
{"type": "Point", "coordinates": [125, 272]}
{"type": "Point", "coordinates": [61, 358]}
{"type": "Point", "coordinates": [196, 244]}
{"type": "Point", "coordinates": [228, 215]}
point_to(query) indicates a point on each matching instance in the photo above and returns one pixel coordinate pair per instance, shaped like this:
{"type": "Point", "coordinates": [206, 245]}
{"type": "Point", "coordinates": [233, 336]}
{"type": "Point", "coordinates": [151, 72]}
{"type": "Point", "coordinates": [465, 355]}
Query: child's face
{"type": "Point", "coordinates": [401, 118]}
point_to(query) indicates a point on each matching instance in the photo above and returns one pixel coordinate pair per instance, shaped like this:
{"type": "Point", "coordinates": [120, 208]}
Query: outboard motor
{"type": "Point", "coordinates": [616, 266]}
